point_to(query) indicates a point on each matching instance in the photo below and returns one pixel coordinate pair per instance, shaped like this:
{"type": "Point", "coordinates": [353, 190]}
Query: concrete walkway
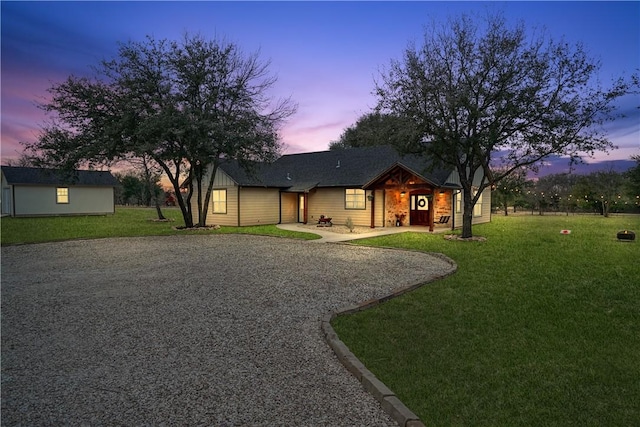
{"type": "Point", "coordinates": [330, 236]}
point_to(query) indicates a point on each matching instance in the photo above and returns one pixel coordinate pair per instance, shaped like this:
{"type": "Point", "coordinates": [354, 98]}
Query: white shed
{"type": "Point", "coordinates": [46, 192]}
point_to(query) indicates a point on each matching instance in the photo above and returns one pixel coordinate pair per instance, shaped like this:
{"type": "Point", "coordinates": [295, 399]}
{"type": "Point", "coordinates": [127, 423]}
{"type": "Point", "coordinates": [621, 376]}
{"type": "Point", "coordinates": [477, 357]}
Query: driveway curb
{"type": "Point", "coordinates": [391, 404]}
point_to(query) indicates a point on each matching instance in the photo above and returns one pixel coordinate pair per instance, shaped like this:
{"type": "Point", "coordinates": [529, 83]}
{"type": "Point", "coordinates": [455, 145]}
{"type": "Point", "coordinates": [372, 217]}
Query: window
{"type": "Point", "coordinates": [459, 202]}
{"type": "Point", "coordinates": [62, 195]}
{"type": "Point", "coordinates": [219, 200]}
{"type": "Point", "coordinates": [354, 198]}
{"type": "Point", "coordinates": [477, 208]}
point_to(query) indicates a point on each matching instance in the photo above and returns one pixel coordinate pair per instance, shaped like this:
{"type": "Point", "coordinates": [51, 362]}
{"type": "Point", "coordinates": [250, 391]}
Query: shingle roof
{"type": "Point", "coordinates": [38, 176]}
{"type": "Point", "coordinates": [352, 167]}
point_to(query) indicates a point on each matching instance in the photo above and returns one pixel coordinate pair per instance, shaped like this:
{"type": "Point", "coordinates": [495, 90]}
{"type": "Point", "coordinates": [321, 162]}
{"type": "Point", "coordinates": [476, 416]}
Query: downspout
{"type": "Point", "coordinates": [306, 207]}
{"type": "Point", "coordinates": [239, 187]}
{"type": "Point", "coordinates": [453, 210]}
{"type": "Point", "coordinates": [372, 200]}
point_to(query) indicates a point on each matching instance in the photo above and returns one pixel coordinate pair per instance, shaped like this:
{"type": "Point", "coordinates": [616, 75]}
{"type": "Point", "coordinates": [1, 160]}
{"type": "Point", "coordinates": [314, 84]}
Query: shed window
{"type": "Point", "coordinates": [219, 200]}
{"type": "Point", "coordinates": [62, 195]}
{"type": "Point", "coordinates": [354, 198]}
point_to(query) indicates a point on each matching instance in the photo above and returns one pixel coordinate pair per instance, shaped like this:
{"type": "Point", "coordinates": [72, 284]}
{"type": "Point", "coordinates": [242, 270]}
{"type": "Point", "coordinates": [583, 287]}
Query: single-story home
{"type": "Point", "coordinates": [374, 186]}
{"type": "Point", "coordinates": [43, 192]}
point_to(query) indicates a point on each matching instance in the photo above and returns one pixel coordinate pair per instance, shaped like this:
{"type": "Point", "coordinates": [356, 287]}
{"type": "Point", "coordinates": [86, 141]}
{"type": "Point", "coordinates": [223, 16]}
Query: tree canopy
{"type": "Point", "coordinates": [482, 93]}
{"type": "Point", "coordinates": [376, 128]}
{"type": "Point", "coordinates": [188, 106]}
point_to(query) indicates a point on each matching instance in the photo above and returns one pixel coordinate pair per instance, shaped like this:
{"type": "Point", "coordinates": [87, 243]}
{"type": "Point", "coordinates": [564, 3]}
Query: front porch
{"type": "Point", "coordinates": [410, 200]}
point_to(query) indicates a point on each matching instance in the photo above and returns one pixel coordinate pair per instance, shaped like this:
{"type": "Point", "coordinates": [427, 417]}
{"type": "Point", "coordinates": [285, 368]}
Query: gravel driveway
{"type": "Point", "coordinates": [188, 330]}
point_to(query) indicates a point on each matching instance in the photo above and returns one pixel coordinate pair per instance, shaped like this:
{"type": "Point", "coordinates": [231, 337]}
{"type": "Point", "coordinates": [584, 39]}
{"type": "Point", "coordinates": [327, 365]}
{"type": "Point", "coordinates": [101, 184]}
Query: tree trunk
{"type": "Point", "coordinates": [158, 210]}
{"type": "Point", "coordinates": [207, 196]}
{"type": "Point", "coordinates": [175, 182]}
{"type": "Point", "coordinates": [467, 214]}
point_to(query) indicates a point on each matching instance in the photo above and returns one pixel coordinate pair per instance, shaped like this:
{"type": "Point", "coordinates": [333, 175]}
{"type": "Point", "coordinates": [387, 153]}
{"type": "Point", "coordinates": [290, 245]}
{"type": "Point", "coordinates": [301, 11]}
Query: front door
{"type": "Point", "coordinates": [419, 208]}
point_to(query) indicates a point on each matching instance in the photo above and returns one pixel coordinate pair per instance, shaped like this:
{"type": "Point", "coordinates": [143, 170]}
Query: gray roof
{"type": "Point", "coordinates": [352, 167]}
{"type": "Point", "coordinates": [38, 176]}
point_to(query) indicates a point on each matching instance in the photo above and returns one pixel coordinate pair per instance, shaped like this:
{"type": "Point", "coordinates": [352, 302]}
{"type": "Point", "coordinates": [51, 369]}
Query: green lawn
{"type": "Point", "coordinates": [126, 222]}
{"type": "Point", "coordinates": [535, 327]}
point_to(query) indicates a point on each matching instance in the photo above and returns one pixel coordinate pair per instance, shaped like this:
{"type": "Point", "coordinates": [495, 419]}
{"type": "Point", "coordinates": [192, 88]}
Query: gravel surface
{"type": "Point", "coordinates": [188, 330]}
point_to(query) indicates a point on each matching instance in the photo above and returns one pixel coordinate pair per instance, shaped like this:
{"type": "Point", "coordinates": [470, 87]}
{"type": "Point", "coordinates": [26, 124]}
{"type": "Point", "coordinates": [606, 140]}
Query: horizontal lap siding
{"type": "Point", "coordinates": [289, 208]}
{"type": "Point", "coordinates": [41, 200]}
{"type": "Point", "coordinates": [222, 181]}
{"type": "Point", "coordinates": [330, 203]}
{"type": "Point", "coordinates": [486, 209]}
{"type": "Point", "coordinates": [259, 206]}
{"type": "Point", "coordinates": [230, 218]}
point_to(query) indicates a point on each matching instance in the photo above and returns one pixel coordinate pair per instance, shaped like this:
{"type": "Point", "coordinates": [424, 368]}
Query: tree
{"type": "Point", "coordinates": [605, 188]}
{"type": "Point", "coordinates": [141, 185]}
{"type": "Point", "coordinates": [187, 106]}
{"type": "Point", "coordinates": [497, 96]}
{"type": "Point", "coordinates": [24, 161]}
{"type": "Point", "coordinates": [509, 189]}
{"type": "Point", "coordinates": [130, 190]}
{"type": "Point", "coordinates": [633, 181]}
{"type": "Point", "coordinates": [375, 128]}
{"type": "Point", "coordinates": [556, 191]}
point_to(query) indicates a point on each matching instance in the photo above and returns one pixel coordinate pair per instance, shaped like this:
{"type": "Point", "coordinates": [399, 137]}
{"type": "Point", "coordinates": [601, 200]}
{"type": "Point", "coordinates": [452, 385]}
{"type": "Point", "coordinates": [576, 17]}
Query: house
{"type": "Point", "coordinates": [374, 186]}
{"type": "Point", "coordinates": [42, 192]}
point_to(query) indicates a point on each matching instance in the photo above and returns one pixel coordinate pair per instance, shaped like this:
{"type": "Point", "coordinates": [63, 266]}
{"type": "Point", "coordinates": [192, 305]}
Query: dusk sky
{"type": "Point", "coordinates": [326, 54]}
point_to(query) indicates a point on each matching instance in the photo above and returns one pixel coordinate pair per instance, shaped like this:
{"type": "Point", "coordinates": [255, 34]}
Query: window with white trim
{"type": "Point", "coordinates": [477, 208]}
{"type": "Point", "coordinates": [62, 195]}
{"type": "Point", "coordinates": [459, 202]}
{"type": "Point", "coordinates": [219, 201]}
{"type": "Point", "coordinates": [354, 198]}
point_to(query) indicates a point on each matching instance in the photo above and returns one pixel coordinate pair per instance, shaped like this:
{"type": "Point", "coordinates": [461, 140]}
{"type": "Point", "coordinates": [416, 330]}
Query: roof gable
{"type": "Point", "coordinates": [39, 176]}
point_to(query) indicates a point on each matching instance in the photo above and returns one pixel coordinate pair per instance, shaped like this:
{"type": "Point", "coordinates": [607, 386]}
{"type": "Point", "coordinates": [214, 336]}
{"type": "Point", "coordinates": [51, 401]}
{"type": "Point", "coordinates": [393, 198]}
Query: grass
{"type": "Point", "coordinates": [126, 222]}
{"type": "Point", "coordinates": [535, 327]}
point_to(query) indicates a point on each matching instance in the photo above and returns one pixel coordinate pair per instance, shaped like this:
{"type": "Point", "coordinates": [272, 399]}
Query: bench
{"type": "Point", "coordinates": [324, 221]}
{"type": "Point", "coordinates": [444, 219]}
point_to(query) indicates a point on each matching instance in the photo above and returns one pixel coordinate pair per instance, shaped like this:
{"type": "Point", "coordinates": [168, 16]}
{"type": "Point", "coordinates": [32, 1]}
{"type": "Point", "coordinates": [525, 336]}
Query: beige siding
{"type": "Point", "coordinates": [289, 203]}
{"type": "Point", "coordinates": [41, 200]}
{"type": "Point", "coordinates": [222, 181]}
{"type": "Point", "coordinates": [454, 178]}
{"type": "Point", "coordinates": [486, 199]}
{"type": "Point", "coordinates": [259, 206]}
{"type": "Point", "coordinates": [230, 218]}
{"type": "Point", "coordinates": [486, 209]}
{"type": "Point", "coordinates": [330, 202]}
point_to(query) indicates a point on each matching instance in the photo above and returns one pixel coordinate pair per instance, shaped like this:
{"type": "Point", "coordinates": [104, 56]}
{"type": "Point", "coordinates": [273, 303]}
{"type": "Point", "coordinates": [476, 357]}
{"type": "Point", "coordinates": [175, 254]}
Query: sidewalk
{"type": "Point", "coordinates": [329, 236]}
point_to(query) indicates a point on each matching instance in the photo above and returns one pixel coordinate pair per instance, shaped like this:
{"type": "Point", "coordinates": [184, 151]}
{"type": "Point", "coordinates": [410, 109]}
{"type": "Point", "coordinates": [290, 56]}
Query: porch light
{"type": "Point", "coordinates": [370, 197]}
{"type": "Point", "coordinates": [402, 193]}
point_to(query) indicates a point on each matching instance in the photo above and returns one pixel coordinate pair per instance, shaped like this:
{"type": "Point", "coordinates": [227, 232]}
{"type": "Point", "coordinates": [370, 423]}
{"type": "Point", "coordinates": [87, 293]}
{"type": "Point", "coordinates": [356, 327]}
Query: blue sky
{"type": "Point", "coordinates": [326, 54]}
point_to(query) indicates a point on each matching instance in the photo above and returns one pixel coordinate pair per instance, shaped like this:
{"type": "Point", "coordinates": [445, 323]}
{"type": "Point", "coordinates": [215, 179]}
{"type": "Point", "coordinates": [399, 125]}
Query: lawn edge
{"type": "Point", "coordinates": [390, 403]}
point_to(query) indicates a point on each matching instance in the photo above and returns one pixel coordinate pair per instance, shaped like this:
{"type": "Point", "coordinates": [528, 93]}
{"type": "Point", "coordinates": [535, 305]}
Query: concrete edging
{"type": "Point", "coordinates": [391, 404]}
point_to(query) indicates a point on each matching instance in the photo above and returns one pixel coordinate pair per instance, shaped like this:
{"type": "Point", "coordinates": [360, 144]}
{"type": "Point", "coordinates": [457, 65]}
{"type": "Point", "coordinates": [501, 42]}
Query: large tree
{"type": "Point", "coordinates": [188, 106]}
{"type": "Point", "coordinates": [375, 128]}
{"type": "Point", "coordinates": [483, 93]}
